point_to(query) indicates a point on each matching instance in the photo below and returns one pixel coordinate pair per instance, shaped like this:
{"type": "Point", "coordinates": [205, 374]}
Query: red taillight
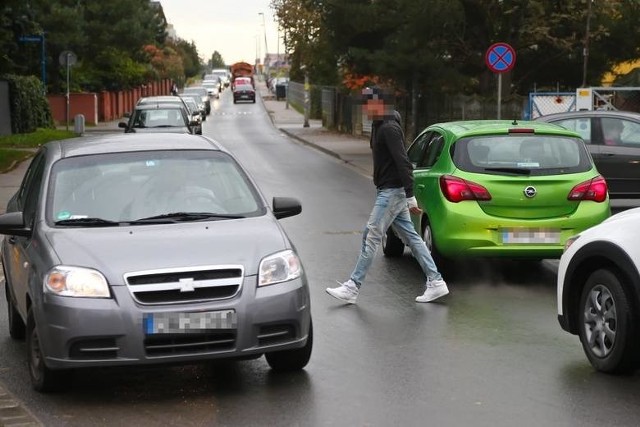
{"type": "Point", "coordinates": [595, 189]}
{"type": "Point", "coordinates": [456, 190]}
{"type": "Point", "coordinates": [521, 130]}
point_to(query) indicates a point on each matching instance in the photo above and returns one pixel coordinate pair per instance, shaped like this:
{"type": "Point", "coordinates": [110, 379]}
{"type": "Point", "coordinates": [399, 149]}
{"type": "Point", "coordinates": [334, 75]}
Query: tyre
{"type": "Point", "coordinates": [392, 246]}
{"type": "Point", "coordinates": [43, 379]}
{"type": "Point", "coordinates": [427, 236]}
{"type": "Point", "coordinates": [17, 328]}
{"type": "Point", "coordinates": [291, 360]}
{"type": "Point", "coordinates": [607, 328]}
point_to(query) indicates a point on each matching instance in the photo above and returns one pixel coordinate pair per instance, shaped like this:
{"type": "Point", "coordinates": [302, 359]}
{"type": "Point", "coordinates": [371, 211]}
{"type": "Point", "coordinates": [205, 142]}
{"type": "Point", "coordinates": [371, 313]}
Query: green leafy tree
{"type": "Point", "coordinates": [216, 61]}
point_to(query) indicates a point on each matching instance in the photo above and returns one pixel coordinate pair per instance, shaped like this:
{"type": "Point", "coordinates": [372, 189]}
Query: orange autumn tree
{"type": "Point", "coordinates": [165, 63]}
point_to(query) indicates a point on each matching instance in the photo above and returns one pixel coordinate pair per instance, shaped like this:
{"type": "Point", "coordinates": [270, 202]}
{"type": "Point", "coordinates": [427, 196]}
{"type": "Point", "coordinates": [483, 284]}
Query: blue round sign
{"type": "Point", "coordinates": [500, 57]}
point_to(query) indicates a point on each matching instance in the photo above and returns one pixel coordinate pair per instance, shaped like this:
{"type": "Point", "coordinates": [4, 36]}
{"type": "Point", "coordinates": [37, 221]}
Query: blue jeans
{"type": "Point", "coordinates": [391, 209]}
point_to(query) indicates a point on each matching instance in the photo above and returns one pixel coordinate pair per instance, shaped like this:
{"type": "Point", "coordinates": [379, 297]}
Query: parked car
{"type": "Point", "coordinates": [141, 249]}
{"type": "Point", "coordinates": [159, 117]}
{"type": "Point", "coordinates": [203, 93]}
{"type": "Point", "coordinates": [202, 108]}
{"type": "Point", "coordinates": [243, 92]}
{"type": "Point", "coordinates": [501, 188]}
{"type": "Point", "coordinates": [599, 291]}
{"type": "Point", "coordinates": [195, 113]}
{"type": "Point", "coordinates": [613, 139]}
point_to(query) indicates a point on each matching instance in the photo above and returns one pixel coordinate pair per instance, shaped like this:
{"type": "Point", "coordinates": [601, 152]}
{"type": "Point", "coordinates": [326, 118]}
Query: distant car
{"type": "Point", "coordinates": [244, 92]}
{"type": "Point", "coordinates": [141, 249]}
{"type": "Point", "coordinates": [224, 74]}
{"type": "Point", "coordinates": [599, 292]}
{"type": "Point", "coordinates": [242, 81]}
{"type": "Point", "coordinates": [501, 188]}
{"type": "Point", "coordinates": [613, 139]}
{"type": "Point", "coordinates": [159, 117]}
{"type": "Point", "coordinates": [214, 87]}
{"type": "Point", "coordinates": [204, 94]}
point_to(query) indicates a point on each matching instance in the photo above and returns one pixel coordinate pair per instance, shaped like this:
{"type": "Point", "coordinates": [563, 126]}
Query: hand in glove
{"type": "Point", "coordinates": [412, 203]}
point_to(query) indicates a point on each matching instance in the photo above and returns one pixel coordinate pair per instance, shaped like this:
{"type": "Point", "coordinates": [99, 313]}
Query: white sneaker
{"type": "Point", "coordinates": [435, 289]}
{"type": "Point", "coordinates": [347, 292]}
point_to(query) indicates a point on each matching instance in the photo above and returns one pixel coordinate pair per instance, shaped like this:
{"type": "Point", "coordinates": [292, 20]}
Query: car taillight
{"type": "Point", "coordinates": [456, 190]}
{"type": "Point", "coordinates": [595, 189]}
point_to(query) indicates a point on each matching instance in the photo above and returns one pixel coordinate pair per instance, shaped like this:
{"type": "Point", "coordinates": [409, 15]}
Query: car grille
{"type": "Point", "coordinates": [184, 344]}
{"type": "Point", "coordinates": [175, 286]}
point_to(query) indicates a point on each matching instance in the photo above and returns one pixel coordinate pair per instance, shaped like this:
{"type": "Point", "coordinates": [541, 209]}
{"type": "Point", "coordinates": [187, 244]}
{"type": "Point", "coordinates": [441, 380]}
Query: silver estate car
{"type": "Point", "coordinates": [145, 249]}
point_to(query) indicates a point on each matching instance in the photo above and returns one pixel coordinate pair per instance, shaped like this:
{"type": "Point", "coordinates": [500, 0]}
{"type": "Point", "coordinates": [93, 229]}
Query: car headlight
{"type": "Point", "coordinates": [76, 282]}
{"type": "Point", "coordinates": [280, 267]}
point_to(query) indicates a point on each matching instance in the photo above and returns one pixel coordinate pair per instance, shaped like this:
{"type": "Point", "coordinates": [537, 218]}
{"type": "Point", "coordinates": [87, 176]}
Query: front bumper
{"type": "Point", "coordinates": [83, 332]}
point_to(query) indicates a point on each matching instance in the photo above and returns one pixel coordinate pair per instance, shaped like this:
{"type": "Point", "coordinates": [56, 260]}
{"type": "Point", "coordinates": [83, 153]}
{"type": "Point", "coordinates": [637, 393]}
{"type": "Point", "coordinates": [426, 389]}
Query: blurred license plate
{"type": "Point", "coordinates": [530, 235]}
{"type": "Point", "coordinates": [172, 323]}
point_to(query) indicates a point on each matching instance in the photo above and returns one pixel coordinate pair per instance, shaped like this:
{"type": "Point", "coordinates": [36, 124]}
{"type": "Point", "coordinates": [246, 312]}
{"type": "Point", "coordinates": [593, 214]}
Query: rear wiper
{"type": "Point", "coordinates": [518, 171]}
{"type": "Point", "coordinates": [183, 216]}
{"type": "Point", "coordinates": [87, 222]}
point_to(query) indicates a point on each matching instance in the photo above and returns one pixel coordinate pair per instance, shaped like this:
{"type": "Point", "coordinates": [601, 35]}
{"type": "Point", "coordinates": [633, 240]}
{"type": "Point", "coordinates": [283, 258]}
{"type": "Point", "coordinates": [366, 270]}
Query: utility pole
{"type": "Point", "coordinates": [585, 52]}
{"type": "Point", "coordinates": [266, 49]}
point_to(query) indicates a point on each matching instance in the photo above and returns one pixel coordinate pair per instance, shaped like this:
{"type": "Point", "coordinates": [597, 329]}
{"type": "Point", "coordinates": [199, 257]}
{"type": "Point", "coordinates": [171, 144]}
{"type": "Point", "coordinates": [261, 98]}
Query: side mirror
{"type": "Point", "coordinates": [284, 207]}
{"type": "Point", "coordinates": [12, 224]}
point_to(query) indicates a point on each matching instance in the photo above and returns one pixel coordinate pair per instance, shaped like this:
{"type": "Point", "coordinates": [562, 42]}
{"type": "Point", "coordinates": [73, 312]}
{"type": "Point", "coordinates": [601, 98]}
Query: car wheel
{"type": "Point", "coordinates": [291, 360]}
{"type": "Point", "coordinates": [392, 246]}
{"type": "Point", "coordinates": [427, 236]}
{"type": "Point", "coordinates": [606, 327]}
{"type": "Point", "coordinates": [42, 378]}
{"type": "Point", "coordinates": [16, 324]}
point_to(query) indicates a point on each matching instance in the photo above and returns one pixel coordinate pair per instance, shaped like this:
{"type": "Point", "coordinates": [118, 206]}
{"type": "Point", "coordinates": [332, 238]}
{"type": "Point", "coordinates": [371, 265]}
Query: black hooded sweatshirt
{"type": "Point", "coordinates": [391, 166]}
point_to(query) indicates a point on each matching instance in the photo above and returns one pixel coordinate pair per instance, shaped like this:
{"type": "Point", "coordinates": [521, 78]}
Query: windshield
{"type": "Point", "coordinates": [128, 187]}
{"type": "Point", "coordinates": [158, 117]}
{"type": "Point", "coordinates": [529, 154]}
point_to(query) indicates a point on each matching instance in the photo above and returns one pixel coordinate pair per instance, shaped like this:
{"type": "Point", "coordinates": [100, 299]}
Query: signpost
{"type": "Point", "coordinates": [67, 59]}
{"type": "Point", "coordinates": [39, 38]}
{"type": "Point", "coordinates": [500, 58]}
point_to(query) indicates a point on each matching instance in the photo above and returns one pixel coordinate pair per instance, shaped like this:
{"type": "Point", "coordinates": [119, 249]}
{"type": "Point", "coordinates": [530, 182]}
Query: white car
{"type": "Point", "coordinates": [599, 291]}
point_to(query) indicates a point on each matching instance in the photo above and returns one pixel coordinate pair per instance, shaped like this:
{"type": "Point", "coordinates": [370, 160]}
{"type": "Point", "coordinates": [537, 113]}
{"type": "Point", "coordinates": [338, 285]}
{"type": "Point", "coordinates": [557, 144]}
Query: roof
{"type": "Point", "coordinates": [160, 106]}
{"type": "Point", "coordinates": [492, 127]}
{"type": "Point", "coordinates": [127, 142]}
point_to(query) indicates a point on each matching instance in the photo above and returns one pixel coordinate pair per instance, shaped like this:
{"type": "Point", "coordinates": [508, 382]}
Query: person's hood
{"type": "Point", "coordinates": [393, 116]}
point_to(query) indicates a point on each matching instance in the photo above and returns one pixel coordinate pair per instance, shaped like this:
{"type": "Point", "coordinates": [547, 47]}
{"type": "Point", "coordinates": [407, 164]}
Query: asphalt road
{"type": "Point", "coordinates": [489, 354]}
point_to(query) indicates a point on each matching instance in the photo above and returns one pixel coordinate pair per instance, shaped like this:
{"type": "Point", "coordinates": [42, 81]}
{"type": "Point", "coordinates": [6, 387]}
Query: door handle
{"type": "Point", "coordinates": [420, 186]}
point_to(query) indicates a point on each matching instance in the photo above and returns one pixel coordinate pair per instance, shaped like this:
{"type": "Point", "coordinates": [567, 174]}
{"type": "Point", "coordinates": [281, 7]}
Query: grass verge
{"type": "Point", "coordinates": [19, 147]}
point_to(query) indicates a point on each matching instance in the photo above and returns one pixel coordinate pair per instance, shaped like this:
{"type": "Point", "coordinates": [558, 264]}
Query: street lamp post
{"type": "Point", "coordinates": [266, 49]}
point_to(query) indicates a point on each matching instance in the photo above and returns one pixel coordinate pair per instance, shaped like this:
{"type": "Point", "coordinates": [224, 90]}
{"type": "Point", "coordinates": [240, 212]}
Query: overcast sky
{"type": "Point", "coordinates": [232, 27]}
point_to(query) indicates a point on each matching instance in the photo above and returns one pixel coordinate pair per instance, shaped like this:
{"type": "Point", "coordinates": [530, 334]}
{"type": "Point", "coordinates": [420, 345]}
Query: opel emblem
{"type": "Point", "coordinates": [530, 191]}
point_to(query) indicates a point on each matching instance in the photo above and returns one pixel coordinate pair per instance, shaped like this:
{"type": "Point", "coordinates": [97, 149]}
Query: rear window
{"type": "Point", "coordinates": [521, 154]}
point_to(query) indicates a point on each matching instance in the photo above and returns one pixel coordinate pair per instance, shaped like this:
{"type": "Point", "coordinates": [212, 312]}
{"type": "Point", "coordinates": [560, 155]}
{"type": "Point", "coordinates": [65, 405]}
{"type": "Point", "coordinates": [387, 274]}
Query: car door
{"type": "Point", "coordinates": [18, 247]}
{"type": "Point", "coordinates": [618, 160]}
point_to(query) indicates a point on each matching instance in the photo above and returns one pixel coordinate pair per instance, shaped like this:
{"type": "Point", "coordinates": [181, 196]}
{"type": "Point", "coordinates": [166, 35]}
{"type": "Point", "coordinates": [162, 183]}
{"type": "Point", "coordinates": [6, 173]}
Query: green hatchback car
{"type": "Point", "coordinates": [502, 188]}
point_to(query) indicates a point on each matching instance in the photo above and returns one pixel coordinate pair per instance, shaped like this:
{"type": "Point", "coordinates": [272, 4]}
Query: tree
{"type": "Point", "coordinates": [216, 61]}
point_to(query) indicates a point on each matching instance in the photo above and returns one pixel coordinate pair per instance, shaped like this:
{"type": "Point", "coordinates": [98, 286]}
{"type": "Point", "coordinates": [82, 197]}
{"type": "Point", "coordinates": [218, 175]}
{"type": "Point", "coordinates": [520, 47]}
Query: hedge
{"type": "Point", "coordinates": [28, 104]}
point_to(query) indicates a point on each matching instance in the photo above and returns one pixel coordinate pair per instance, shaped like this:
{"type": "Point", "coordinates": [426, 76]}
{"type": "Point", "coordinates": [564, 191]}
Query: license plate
{"type": "Point", "coordinates": [172, 323]}
{"type": "Point", "coordinates": [530, 236]}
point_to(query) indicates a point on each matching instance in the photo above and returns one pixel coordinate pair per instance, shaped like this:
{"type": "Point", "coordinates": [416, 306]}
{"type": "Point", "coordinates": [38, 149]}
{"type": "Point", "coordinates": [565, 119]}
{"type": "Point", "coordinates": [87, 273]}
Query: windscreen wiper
{"type": "Point", "coordinates": [183, 217]}
{"type": "Point", "coordinates": [87, 222]}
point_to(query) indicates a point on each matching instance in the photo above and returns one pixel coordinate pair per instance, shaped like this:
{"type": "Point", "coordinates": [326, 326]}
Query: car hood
{"type": "Point", "coordinates": [161, 130]}
{"type": "Point", "coordinates": [115, 251]}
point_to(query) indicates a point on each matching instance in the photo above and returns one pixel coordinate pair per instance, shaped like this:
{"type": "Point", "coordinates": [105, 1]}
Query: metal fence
{"type": "Point", "coordinates": [342, 112]}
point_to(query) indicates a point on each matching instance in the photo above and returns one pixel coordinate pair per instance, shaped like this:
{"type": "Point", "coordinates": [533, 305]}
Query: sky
{"type": "Point", "coordinates": [233, 28]}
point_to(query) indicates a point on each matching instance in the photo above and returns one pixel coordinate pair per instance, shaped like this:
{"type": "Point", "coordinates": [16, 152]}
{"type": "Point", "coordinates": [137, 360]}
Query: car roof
{"type": "Point", "coordinates": [590, 113]}
{"type": "Point", "coordinates": [159, 98]}
{"type": "Point", "coordinates": [129, 142]}
{"type": "Point", "coordinates": [159, 106]}
{"type": "Point", "coordinates": [461, 129]}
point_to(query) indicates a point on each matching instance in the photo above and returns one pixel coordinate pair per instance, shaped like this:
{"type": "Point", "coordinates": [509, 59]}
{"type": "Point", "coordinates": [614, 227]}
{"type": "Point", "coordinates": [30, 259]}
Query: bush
{"type": "Point", "coordinates": [28, 103]}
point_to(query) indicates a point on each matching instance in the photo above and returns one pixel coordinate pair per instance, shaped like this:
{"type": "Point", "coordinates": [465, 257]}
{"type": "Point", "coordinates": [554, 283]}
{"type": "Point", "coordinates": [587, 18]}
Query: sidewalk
{"type": "Point", "coordinates": [352, 150]}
